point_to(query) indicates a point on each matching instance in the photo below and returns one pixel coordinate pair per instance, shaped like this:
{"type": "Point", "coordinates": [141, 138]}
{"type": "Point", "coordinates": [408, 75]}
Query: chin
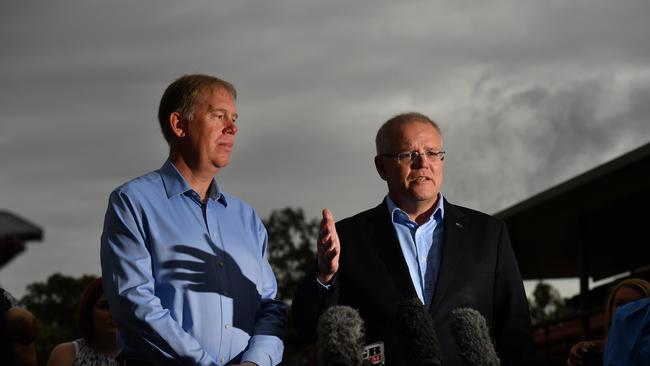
{"type": "Point", "coordinates": [220, 164]}
{"type": "Point", "coordinates": [421, 195]}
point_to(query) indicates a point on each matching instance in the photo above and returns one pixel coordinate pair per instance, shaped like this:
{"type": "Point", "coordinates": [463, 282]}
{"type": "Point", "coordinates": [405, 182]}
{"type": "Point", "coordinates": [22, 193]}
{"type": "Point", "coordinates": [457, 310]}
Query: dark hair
{"type": "Point", "coordinates": [85, 321]}
{"type": "Point", "coordinates": [383, 134]}
{"type": "Point", "coordinates": [183, 95]}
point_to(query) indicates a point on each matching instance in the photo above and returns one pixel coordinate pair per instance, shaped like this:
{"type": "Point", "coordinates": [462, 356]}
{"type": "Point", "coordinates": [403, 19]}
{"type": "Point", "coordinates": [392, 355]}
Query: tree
{"type": "Point", "coordinates": [292, 253]}
{"type": "Point", "coordinates": [54, 302]}
{"type": "Point", "coordinates": [292, 247]}
{"type": "Point", "coordinates": [546, 304]}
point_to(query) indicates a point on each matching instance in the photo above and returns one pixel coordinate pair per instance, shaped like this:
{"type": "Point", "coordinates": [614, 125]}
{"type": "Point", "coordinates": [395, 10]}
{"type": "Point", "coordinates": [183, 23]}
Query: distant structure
{"type": "Point", "coordinates": [15, 231]}
{"type": "Point", "coordinates": [592, 226]}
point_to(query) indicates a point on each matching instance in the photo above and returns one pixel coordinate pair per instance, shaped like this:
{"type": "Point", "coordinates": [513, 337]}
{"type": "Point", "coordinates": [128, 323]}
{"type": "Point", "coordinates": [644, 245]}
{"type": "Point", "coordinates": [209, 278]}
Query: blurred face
{"type": "Point", "coordinates": [625, 295]}
{"type": "Point", "coordinates": [418, 182]}
{"type": "Point", "coordinates": [207, 140]}
{"type": "Point", "coordinates": [102, 318]}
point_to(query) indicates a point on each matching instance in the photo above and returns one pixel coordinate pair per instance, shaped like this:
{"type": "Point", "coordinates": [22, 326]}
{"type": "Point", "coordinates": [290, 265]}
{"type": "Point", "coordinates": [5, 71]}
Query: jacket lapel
{"type": "Point", "coordinates": [454, 247]}
{"type": "Point", "coordinates": [384, 240]}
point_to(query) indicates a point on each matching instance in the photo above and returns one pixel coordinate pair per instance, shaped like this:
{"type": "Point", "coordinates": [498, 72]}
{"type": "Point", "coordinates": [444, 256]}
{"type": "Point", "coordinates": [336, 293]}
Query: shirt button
{"type": "Point", "coordinates": [221, 359]}
{"type": "Point", "coordinates": [227, 326]}
{"type": "Point", "coordinates": [220, 264]}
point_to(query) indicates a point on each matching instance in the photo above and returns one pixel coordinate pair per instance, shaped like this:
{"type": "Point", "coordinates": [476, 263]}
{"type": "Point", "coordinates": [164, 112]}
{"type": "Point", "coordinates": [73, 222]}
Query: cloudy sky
{"type": "Point", "coordinates": [528, 93]}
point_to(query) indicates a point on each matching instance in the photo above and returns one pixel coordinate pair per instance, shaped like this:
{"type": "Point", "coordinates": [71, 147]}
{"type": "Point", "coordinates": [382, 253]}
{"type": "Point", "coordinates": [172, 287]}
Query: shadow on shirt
{"type": "Point", "coordinates": [219, 273]}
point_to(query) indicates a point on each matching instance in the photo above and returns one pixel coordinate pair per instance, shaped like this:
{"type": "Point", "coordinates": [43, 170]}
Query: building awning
{"type": "Point", "coordinates": [596, 224]}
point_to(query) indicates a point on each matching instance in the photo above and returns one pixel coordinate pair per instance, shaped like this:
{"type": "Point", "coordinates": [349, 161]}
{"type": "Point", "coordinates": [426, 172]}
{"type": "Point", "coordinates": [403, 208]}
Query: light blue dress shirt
{"type": "Point", "coordinates": [421, 246]}
{"type": "Point", "coordinates": [189, 282]}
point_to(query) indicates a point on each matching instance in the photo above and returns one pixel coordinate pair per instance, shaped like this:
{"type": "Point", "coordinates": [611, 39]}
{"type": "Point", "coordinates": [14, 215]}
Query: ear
{"type": "Point", "coordinates": [379, 164]}
{"type": "Point", "coordinates": [177, 125]}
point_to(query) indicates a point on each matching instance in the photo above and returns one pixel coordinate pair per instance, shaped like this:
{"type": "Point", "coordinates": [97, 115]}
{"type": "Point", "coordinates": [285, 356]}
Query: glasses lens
{"type": "Point", "coordinates": [408, 157]}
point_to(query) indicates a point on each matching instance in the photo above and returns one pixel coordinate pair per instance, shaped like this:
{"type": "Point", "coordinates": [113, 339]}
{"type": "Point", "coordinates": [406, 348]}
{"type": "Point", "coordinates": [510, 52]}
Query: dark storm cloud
{"type": "Point", "coordinates": [528, 95]}
{"type": "Point", "coordinates": [538, 135]}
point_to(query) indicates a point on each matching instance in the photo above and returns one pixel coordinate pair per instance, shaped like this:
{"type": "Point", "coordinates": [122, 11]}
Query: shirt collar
{"type": "Point", "coordinates": [175, 184]}
{"type": "Point", "coordinates": [396, 212]}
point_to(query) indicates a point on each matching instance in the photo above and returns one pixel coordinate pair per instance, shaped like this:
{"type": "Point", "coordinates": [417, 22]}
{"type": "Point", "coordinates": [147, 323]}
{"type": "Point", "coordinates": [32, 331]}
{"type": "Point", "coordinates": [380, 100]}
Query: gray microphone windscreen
{"type": "Point", "coordinates": [340, 337]}
{"type": "Point", "coordinates": [473, 338]}
{"type": "Point", "coordinates": [417, 334]}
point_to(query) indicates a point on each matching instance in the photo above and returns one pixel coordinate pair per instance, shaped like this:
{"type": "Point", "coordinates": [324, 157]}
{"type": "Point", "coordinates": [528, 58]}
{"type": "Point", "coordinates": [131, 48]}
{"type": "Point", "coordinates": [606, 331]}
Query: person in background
{"type": "Point", "coordinates": [19, 329]}
{"type": "Point", "coordinates": [98, 344]}
{"type": "Point", "coordinates": [624, 292]}
{"type": "Point", "coordinates": [628, 343]}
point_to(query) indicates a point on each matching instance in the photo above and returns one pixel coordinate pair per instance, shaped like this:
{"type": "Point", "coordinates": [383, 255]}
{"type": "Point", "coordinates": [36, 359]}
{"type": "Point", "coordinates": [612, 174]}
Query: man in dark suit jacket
{"type": "Point", "coordinates": [415, 243]}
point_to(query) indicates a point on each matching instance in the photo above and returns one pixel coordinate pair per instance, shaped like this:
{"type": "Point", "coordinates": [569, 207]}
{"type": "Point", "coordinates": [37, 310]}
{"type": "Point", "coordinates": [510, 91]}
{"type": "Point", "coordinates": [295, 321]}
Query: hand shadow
{"type": "Point", "coordinates": [219, 273]}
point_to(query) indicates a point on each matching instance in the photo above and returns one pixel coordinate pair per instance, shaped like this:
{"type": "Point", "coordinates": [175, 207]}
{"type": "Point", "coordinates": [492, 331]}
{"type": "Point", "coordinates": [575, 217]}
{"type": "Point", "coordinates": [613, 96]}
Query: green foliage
{"type": "Point", "coordinates": [292, 253]}
{"type": "Point", "coordinates": [54, 302]}
{"type": "Point", "coordinates": [292, 247]}
{"type": "Point", "coordinates": [546, 304]}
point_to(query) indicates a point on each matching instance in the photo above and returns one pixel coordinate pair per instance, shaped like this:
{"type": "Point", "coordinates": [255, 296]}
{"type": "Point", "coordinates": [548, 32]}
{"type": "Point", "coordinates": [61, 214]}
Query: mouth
{"type": "Point", "coordinates": [226, 145]}
{"type": "Point", "coordinates": [420, 179]}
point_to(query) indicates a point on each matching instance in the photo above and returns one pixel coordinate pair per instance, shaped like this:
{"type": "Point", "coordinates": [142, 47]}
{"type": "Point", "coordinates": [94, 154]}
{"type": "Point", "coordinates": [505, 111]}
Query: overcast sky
{"type": "Point", "coordinates": [528, 94]}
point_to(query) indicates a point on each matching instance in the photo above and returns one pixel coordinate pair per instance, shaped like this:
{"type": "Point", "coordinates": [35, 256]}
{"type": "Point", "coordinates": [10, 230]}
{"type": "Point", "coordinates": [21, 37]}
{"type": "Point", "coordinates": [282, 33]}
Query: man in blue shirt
{"type": "Point", "coordinates": [184, 264]}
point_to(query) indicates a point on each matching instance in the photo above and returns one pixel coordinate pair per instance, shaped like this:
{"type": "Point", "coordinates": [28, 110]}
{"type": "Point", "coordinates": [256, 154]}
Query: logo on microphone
{"type": "Point", "coordinates": [374, 353]}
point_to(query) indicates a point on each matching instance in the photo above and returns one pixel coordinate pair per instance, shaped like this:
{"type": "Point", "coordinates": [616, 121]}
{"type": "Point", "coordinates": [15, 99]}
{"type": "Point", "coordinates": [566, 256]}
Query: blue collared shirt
{"type": "Point", "coordinates": [421, 246]}
{"type": "Point", "coordinates": [628, 342]}
{"type": "Point", "coordinates": [189, 282]}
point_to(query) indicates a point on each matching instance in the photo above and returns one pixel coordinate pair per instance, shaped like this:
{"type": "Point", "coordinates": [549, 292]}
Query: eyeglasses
{"type": "Point", "coordinates": [410, 156]}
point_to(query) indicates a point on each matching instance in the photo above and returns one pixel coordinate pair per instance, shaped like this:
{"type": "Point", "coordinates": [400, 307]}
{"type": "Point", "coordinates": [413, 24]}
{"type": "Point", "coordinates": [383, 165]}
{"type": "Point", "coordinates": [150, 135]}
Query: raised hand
{"type": "Point", "coordinates": [328, 248]}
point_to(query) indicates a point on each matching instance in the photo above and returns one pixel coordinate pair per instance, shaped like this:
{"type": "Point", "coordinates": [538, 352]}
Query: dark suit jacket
{"type": "Point", "coordinates": [478, 270]}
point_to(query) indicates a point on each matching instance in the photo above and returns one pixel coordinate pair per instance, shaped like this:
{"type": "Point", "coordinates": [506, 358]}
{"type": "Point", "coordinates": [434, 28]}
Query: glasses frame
{"type": "Point", "coordinates": [410, 156]}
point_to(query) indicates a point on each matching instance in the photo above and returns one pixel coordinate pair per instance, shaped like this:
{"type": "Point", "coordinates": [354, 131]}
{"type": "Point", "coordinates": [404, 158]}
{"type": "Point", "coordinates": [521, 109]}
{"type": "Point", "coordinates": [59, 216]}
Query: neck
{"type": "Point", "coordinates": [106, 345]}
{"type": "Point", "coordinates": [418, 211]}
{"type": "Point", "coordinates": [199, 179]}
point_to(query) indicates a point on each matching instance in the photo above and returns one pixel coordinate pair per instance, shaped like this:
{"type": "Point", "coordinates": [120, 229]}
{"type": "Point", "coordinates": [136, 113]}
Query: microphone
{"type": "Point", "coordinates": [341, 336]}
{"type": "Point", "coordinates": [473, 338]}
{"type": "Point", "coordinates": [415, 327]}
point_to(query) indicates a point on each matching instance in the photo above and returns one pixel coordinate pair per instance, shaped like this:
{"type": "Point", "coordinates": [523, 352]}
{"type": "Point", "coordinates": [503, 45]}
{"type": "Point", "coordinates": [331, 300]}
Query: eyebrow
{"type": "Point", "coordinates": [212, 110]}
{"type": "Point", "coordinates": [409, 149]}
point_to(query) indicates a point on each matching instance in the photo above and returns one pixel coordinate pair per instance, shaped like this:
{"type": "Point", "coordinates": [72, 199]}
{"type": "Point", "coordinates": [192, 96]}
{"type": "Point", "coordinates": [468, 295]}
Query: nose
{"type": "Point", "coordinates": [419, 161]}
{"type": "Point", "coordinates": [231, 127]}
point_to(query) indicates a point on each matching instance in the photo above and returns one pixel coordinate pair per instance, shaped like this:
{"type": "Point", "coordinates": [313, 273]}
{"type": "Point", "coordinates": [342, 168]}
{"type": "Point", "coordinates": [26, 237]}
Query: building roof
{"type": "Point", "coordinates": [597, 223]}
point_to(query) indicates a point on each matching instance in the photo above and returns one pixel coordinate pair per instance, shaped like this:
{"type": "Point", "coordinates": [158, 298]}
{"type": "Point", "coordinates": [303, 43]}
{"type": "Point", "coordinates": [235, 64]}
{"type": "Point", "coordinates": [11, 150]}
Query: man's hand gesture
{"type": "Point", "coordinates": [328, 248]}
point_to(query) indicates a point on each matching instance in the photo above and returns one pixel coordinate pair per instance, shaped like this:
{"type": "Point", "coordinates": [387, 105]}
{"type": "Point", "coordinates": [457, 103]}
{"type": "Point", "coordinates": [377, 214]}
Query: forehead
{"type": "Point", "coordinates": [628, 293]}
{"type": "Point", "coordinates": [416, 132]}
{"type": "Point", "coordinates": [216, 97]}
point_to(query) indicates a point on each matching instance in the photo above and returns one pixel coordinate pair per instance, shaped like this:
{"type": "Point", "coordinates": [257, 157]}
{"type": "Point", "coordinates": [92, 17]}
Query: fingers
{"type": "Point", "coordinates": [575, 357]}
{"type": "Point", "coordinates": [327, 233]}
{"type": "Point", "coordinates": [327, 215]}
{"type": "Point", "coordinates": [328, 246]}
{"type": "Point", "coordinates": [326, 224]}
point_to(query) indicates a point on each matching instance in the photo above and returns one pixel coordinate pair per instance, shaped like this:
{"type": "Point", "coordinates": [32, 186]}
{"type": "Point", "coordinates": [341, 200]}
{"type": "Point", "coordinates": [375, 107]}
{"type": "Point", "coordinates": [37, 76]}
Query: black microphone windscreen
{"type": "Point", "coordinates": [473, 338]}
{"type": "Point", "coordinates": [415, 328]}
{"type": "Point", "coordinates": [340, 337]}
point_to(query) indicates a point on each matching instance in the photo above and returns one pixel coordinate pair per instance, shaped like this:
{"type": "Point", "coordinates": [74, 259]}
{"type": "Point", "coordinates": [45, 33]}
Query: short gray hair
{"type": "Point", "coordinates": [383, 139]}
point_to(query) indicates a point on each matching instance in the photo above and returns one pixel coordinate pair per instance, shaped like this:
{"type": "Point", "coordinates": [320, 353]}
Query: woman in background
{"type": "Point", "coordinates": [628, 290]}
{"type": "Point", "coordinates": [98, 345]}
